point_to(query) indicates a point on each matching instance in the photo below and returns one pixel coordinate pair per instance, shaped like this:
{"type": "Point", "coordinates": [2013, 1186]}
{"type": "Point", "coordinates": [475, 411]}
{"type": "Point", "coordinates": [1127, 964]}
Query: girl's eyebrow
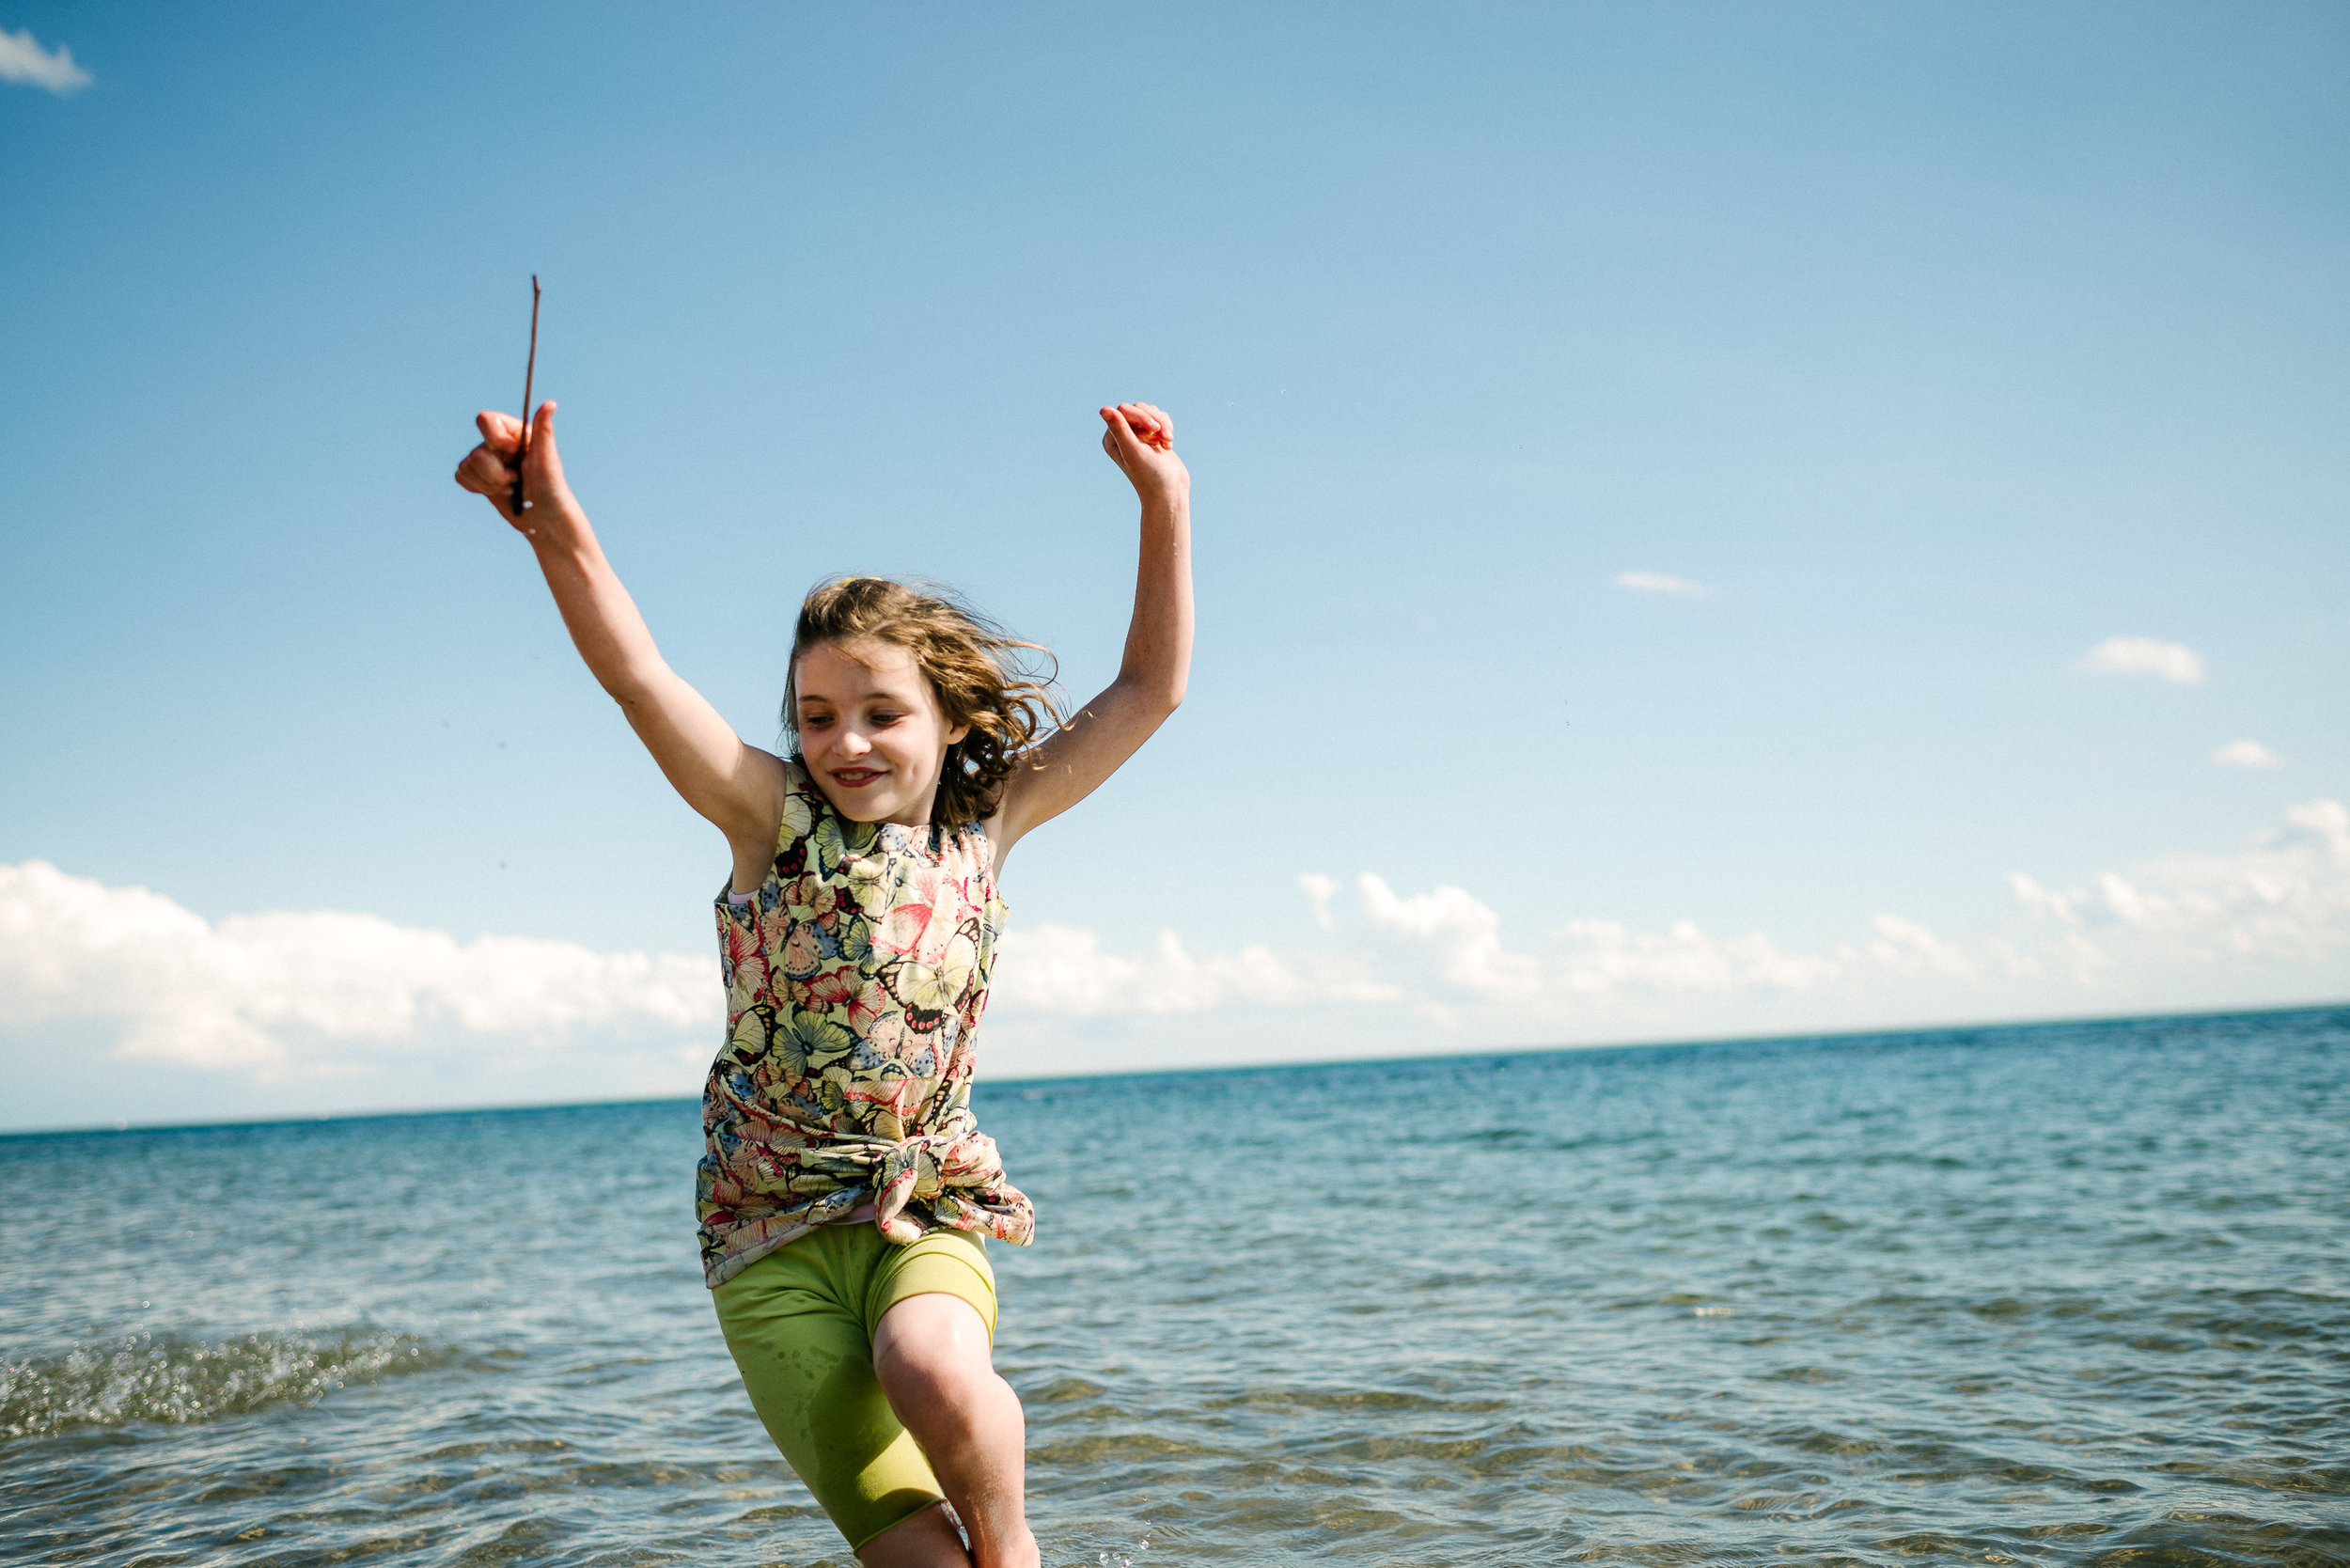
{"type": "Point", "coordinates": [863, 697]}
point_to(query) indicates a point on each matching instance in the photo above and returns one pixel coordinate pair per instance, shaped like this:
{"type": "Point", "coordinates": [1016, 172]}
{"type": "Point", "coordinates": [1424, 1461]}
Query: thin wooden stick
{"type": "Point", "coordinates": [528, 372]}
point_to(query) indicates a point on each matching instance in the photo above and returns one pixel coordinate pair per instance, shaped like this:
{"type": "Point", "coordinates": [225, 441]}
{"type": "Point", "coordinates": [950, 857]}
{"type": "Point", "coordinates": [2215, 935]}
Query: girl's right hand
{"type": "Point", "coordinates": [738, 787]}
{"type": "Point", "coordinates": [488, 468]}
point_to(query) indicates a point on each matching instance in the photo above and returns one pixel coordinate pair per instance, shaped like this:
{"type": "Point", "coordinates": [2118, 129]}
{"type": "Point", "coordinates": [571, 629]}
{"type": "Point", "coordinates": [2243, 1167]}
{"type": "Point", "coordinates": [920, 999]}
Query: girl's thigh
{"type": "Point", "coordinates": [808, 1363]}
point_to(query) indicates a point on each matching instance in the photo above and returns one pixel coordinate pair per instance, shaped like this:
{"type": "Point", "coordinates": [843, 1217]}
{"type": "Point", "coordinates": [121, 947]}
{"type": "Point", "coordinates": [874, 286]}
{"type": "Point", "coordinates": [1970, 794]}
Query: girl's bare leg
{"type": "Point", "coordinates": [930, 1353]}
{"type": "Point", "coordinates": [925, 1540]}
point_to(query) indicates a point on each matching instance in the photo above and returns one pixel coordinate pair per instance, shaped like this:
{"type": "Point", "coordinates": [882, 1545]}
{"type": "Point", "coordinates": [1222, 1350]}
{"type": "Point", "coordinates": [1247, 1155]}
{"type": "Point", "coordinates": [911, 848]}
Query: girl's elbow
{"type": "Point", "coordinates": [1156, 696]}
{"type": "Point", "coordinates": [631, 685]}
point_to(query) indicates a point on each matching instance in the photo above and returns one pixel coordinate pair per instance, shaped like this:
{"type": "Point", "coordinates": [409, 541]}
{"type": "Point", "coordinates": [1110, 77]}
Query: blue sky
{"type": "Point", "coordinates": [1937, 345]}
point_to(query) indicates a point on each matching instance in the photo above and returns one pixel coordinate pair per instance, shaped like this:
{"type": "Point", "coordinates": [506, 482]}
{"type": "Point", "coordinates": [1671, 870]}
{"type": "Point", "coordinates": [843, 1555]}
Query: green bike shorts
{"type": "Point", "coordinates": [800, 1323]}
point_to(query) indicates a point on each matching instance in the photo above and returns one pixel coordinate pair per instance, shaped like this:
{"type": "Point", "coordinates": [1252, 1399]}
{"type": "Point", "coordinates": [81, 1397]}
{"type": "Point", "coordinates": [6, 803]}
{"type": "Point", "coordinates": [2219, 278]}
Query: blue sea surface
{"type": "Point", "coordinates": [2066, 1294]}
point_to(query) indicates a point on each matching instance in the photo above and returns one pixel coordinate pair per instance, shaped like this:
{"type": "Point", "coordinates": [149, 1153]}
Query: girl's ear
{"type": "Point", "coordinates": [955, 735]}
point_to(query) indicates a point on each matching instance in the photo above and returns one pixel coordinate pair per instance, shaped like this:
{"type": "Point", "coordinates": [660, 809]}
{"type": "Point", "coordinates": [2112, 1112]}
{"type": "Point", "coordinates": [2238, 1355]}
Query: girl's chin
{"type": "Point", "coordinates": [871, 804]}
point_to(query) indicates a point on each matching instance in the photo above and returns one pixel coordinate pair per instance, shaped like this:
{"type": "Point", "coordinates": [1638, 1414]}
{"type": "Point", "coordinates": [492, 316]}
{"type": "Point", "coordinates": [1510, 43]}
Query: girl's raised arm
{"type": "Point", "coordinates": [1151, 678]}
{"type": "Point", "coordinates": [736, 787]}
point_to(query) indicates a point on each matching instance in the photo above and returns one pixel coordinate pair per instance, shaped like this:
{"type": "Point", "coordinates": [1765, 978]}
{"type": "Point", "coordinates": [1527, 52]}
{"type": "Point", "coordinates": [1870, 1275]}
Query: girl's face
{"type": "Point", "coordinates": [870, 730]}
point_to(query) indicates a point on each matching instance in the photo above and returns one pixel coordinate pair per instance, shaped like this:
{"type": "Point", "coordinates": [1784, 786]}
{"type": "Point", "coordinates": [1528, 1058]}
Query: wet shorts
{"type": "Point", "coordinates": [800, 1323]}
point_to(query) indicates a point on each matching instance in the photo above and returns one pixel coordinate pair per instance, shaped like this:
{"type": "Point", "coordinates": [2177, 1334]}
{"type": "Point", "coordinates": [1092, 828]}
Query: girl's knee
{"type": "Point", "coordinates": [935, 1330]}
{"type": "Point", "coordinates": [932, 1350]}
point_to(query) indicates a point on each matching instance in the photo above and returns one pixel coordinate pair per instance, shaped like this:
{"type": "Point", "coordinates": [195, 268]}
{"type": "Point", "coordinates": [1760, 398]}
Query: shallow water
{"type": "Point", "coordinates": [2065, 1295]}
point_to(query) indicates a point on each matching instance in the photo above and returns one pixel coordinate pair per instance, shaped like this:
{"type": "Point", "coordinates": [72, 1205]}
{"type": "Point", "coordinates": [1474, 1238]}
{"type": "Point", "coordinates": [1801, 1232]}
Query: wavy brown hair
{"type": "Point", "coordinates": [984, 677]}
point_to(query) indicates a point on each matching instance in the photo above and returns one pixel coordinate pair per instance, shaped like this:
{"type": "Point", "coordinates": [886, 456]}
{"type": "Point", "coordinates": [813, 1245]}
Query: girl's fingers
{"type": "Point", "coordinates": [501, 432]}
{"type": "Point", "coordinates": [1118, 442]}
{"type": "Point", "coordinates": [1127, 445]}
{"type": "Point", "coordinates": [485, 473]}
{"type": "Point", "coordinates": [490, 469]}
{"type": "Point", "coordinates": [1151, 425]}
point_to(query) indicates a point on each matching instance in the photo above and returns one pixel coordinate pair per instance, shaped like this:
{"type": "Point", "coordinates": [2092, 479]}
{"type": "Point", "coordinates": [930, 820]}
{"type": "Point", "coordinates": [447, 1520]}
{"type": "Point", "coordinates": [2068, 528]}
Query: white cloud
{"type": "Point", "coordinates": [1320, 890]}
{"type": "Point", "coordinates": [1462, 936]}
{"type": "Point", "coordinates": [2287, 897]}
{"type": "Point", "coordinates": [1658, 582]}
{"type": "Point", "coordinates": [2284, 901]}
{"type": "Point", "coordinates": [22, 59]}
{"type": "Point", "coordinates": [1899, 947]}
{"type": "Point", "coordinates": [2171, 661]}
{"type": "Point", "coordinates": [115, 992]}
{"type": "Point", "coordinates": [2245, 754]}
{"type": "Point", "coordinates": [1059, 969]}
{"type": "Point", "coordinates": [1596, 959]}
{"type": "Point", "coordinates": [1437, 951]}
{"type": "Point", "coordinates": [322, 993]}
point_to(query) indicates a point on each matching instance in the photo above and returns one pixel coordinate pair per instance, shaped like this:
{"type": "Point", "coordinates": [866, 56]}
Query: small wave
{"type": "Point", "coordinates": [180, 1380]}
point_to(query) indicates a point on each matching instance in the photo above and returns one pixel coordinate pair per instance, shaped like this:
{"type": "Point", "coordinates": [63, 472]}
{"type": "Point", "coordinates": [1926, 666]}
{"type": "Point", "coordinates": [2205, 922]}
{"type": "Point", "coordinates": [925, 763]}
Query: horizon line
{"type": "Point", "coordinates": [1807, 1036]}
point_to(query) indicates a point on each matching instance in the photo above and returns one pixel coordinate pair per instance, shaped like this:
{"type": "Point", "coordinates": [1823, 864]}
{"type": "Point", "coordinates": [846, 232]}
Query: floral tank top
{"type": "Point", "coordinates": [856, 976]}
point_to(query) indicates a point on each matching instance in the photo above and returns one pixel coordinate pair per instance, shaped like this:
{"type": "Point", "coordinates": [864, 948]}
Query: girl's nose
{"type": "Point", "coordinates": [854, 745]}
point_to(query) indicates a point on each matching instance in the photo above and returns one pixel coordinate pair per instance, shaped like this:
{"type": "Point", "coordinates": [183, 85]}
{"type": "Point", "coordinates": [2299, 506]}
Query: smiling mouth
{"type": "Point", "coordinates": [856, 778]}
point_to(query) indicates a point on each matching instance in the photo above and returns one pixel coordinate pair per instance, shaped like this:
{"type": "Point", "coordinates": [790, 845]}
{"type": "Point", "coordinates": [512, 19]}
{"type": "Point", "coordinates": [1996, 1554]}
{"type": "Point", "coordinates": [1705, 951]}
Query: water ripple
{"type": "Point", "coordinates": [2056, 1296]}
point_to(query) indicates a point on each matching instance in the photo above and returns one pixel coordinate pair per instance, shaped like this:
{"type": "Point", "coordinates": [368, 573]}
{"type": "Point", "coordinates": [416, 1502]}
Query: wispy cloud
{"type": "Point", "coordinates": [1659, 582]}
{"type": "Point", "coordinates": [2170, 661]}
{"type": "Point", "coordinates": [2245, 754]}
{"type": "Point", "coordinates": [22, 59]}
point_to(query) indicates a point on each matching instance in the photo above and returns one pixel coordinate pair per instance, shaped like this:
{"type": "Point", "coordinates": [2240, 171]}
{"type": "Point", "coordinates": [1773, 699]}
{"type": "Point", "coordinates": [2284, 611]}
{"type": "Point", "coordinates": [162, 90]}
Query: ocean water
{"type": "Point", "coordinates": [2059, 1295]}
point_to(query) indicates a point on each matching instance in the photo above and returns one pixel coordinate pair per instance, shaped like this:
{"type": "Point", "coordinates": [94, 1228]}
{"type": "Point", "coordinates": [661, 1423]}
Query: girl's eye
{"type": "Point", "coordinates": [885, 716]}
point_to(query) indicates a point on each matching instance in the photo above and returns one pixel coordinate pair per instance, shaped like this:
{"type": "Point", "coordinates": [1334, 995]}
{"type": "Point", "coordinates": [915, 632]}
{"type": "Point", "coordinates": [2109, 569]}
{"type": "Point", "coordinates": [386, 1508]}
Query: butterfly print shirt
{"type": "Point", "coordinates": [856, 976]}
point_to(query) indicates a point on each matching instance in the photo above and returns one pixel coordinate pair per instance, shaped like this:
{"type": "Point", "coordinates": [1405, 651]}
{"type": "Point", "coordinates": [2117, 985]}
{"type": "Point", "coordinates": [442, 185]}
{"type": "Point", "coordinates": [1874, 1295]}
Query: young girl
{"type": "Point", "coordinates": [845, 1187]}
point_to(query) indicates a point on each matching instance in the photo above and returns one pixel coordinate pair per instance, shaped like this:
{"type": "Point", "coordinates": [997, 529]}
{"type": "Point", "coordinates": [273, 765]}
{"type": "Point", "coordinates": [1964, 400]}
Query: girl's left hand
{"type": "Point", "coordinates": [1141, 441]}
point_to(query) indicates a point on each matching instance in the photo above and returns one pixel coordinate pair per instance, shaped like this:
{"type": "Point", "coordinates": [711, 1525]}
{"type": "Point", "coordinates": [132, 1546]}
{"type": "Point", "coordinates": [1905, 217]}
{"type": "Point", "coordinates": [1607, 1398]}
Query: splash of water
{"type": "Point", "coordinates": [180, 1380]}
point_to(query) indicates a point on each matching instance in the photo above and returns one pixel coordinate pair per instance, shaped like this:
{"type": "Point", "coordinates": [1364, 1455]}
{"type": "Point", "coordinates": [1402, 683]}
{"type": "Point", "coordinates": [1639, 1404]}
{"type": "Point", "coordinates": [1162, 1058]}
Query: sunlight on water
{"type": "Point", "coordinates": [2067, 1295]}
